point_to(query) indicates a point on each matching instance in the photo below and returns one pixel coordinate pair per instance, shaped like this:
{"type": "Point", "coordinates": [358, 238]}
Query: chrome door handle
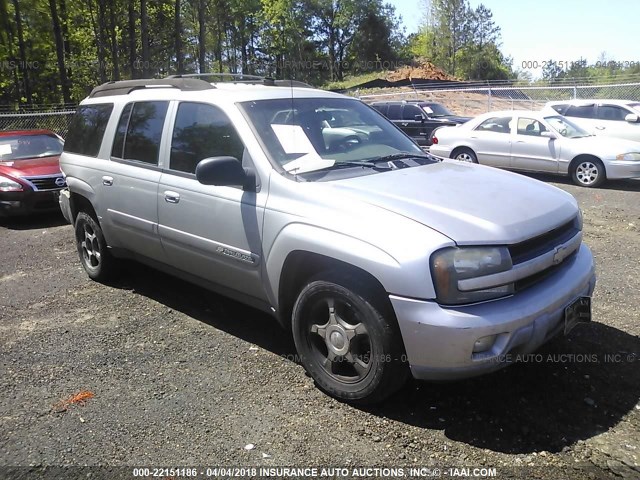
{"type": "Point", "coordinates": [107, 181]}
{"type": "Point", "coordinates": [404, 124]}
{"type": "Point", "coordinates": [171, 197]}
{"type": "Point", "coordinates": [600, 128]}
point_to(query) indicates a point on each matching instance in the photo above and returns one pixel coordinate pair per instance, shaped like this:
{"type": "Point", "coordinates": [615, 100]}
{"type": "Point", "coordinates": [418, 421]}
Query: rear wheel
{"type": "Point", "coordinates": [588, 172]}
{"type": "Point", "coordinates": [465, 155]}
{"type": "Point", "coordinates": [347, 342]}
{"type": "Point", "coordinates": [92, 249]}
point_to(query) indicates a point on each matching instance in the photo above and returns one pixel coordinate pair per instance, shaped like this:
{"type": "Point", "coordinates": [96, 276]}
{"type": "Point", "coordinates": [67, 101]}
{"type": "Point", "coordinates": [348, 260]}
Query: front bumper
{"type": "Point", "coordinates": [439, 341]}
{"type": "Point", "coordinates": [617, 169]}
{"type": "Point", "coordinates": [14, 204]}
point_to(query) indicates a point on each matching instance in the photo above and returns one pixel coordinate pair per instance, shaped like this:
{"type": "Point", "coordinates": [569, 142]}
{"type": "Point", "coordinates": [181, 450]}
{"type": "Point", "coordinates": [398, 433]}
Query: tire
{"type": "Point", "coordinates": [350, 346]}
{"type": "Point", "coordinates": [588, 172]}
{"type": "Point", "coordinates": [465, 155]}
{"type": "Point", "coordinates": [96, 259]}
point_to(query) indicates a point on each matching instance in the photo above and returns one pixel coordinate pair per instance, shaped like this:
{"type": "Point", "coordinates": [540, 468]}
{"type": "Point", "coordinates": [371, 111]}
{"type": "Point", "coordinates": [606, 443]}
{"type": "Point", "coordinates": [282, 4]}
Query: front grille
{"type": "Point", "coordinates": [540, 245]}
{"type": "Point", "coordinates": [534, 247]}
{"type": "Point", "coordinates": [45, 183]}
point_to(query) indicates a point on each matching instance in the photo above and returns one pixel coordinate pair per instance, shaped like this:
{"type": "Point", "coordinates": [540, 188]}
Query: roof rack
{"type": "Point", "coordinates": [245, 78]}
{"type": "Point", "coordinates": [125, 87]}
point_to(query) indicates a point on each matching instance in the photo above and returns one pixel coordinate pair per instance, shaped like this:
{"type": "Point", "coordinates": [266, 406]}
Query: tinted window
{"type": "Point", "coordinates": [394, 112]}
{"type": "Point", "coordinates": [530, 126]}
{"type": "Point", "coordinates": [495, 124]}
{"type": "Point", "coordinates": [410, 112]}
{"type": "Point", "coordinates": [383, 109]}
{"type": "Point", "coordinates": [202, 131]}
{"type": "Point", "coordinates": [612, 112]}
{"type": "Point", "coordinates": [581, 111]}
{"type": "Point", "coordinates": [144, 132]}
{"type": "Point", "coordinates": [561, 109]}
{"type": "Point", "coordinates": [87, 129]}
{"type": "Point", "coordinates": [118, 142]}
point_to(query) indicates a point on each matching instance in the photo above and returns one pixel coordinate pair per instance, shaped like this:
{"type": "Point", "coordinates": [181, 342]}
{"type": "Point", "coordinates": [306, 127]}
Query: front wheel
{"type": "Point", "coordinates": [348, 344]}
{"type": "Point", "coordinates": [92, 249]}
{"type": "Point", "coordinates": [588, 172]}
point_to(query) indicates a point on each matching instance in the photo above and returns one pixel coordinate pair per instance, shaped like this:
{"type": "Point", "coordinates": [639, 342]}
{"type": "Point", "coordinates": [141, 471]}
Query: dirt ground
{"type": "Point", "coordinates": [182, 377]}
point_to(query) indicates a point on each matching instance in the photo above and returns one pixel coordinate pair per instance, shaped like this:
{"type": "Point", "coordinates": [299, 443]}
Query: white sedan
{"type": "Point", "coordinates": [539, 142]}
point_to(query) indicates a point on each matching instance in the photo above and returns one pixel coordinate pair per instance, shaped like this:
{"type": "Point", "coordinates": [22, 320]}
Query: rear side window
{"type": "Point", "coordinates": [202, 131]}
{"type": "Point", "coordinates": [139, 132]}
{"type": "Point", "coordinates": [394, 112]}
{"type": "Point", "coordinates": [581, 111]}
{"type": "Point", "coordinates": [383, 109]}
{"type": "Point", "coordinates": [86, 129]}
{"type": "Point", "coordinates": [561, 109]}
{"type": "Point", "coordinates": [495, 124]}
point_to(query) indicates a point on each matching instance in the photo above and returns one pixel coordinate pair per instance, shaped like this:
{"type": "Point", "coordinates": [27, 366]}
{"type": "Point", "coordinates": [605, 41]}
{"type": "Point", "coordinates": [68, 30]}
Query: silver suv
{"type": "Point", "coordinates": [381, 260]}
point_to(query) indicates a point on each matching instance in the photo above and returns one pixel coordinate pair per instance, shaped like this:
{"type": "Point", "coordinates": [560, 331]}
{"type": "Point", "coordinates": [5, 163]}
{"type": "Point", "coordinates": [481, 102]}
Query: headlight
{"type": "Point", "coordinates": [450, 265]}
{"type": "Point", "coordinates": [8, 185]}
{"type": "Point", "coordinates": [630, 157]}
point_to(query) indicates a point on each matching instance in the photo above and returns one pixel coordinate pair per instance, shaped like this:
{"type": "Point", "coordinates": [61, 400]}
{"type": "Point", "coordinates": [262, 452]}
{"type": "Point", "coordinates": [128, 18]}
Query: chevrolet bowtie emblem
{"type": "Point", "coordinates": [559, 254]}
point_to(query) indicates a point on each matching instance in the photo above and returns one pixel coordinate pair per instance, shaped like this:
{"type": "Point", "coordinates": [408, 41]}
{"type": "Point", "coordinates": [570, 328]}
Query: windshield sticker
{"type": "Point", "coordinates": [295, 141]}
{"type": "Point", "coordinates": [308, 163]}
{"type": "Point", "coordinates": [5, 149]}
{"type": "Point", "coordinates": [428, 109]}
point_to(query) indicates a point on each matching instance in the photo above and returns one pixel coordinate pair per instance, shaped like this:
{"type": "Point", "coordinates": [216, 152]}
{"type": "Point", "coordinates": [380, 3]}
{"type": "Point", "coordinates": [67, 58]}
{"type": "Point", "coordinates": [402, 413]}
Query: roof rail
{"type": "Point", "coordinates": [245, 78]}
{"type": "Point", "coordinates": [125, 87]}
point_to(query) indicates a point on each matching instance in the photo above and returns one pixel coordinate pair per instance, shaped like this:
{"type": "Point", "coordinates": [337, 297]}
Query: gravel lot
{"type": "Point", "coordinates": [181, 376]}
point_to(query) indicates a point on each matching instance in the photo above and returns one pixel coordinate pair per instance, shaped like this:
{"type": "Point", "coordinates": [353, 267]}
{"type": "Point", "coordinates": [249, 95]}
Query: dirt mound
{"type": "Point", "coordinates": [424, 69]}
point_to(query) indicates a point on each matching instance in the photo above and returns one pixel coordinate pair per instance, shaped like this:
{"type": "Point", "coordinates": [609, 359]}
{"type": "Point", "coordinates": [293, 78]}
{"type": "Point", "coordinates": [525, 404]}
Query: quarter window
{"type": "Point", "coordinates": [87, 129]}
{"type": "Point", "coordinates": [202, 131]}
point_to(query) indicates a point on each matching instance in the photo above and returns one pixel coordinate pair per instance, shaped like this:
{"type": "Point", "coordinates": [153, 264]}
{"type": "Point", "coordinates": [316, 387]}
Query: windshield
{"type": "Point", "coordinates": [308, 134]}
{"type": "Point", "coordinates": [29, 146]}
{"type": "Point", "coordinates": [437, 110]}
{"type": "Point", "coordinates": [566, 128]}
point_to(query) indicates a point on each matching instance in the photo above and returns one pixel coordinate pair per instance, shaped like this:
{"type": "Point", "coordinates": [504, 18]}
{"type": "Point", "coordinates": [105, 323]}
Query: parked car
{"type": "Point", "coordinates": [30, 177]}
{"type": "Point", "coordinates": [213, 184]}
{"type": "Point", "coordinates": [418, 118]}
{"type": "Point", "coordinates": [611, 118]}
{"type": "Point", "coordinates": [539, 142]}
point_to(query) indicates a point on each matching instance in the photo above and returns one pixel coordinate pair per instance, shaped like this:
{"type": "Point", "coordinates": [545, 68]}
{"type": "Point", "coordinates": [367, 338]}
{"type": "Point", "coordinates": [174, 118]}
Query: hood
{"type": "Point", "coordinates": [453, 119]}
{"type": "Point", "coordinates": [604, 146]}
{"type": "Point", "coordinates": [31, 167]}
{"type": "Point", "coordinates": [471, 204]}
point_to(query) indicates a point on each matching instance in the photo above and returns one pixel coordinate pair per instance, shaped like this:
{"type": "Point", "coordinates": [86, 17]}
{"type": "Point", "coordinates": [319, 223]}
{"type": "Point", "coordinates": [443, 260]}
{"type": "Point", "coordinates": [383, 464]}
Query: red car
{"type": "Point", "coordinates": [30, 176]}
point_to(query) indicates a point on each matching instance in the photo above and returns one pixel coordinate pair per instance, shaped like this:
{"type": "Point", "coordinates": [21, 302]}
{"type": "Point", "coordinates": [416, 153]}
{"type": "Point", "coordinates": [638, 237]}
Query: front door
{"type": "Point", "coordinates": [530, 150]}
{"type": "Point", "coordinates": [212, 232]}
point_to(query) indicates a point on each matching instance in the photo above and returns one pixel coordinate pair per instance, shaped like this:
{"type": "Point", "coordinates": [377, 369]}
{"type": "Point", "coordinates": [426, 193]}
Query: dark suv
{"type": "Point", "coordinates": [418, 118]}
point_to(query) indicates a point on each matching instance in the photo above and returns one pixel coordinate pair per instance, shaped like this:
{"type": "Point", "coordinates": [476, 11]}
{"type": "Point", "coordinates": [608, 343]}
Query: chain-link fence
{"type": "Point", "coordinates": [477, 100]}
{"type": "Point", "coordinates": [56, 121]}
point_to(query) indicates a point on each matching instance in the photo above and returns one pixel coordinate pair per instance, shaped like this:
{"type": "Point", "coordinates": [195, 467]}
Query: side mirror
{"type": "Point", "coordinates": [548, 134]}
{"type": "Point", "coordinates": [225, 171]}
{"type": "Point", "coordinates": [419, 118]}
{"type": "Point", "coordinates": [632, 118]}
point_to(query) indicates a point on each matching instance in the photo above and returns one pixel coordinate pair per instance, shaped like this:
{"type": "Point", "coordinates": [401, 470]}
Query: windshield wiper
{"type": "Point", "coordinates": [400, 156]}
{"type": "Point", "coordinates": [365, 164]}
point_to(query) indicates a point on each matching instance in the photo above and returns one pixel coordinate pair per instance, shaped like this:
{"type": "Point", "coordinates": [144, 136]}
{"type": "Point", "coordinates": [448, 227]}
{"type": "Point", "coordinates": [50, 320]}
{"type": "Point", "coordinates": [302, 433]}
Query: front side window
{"type": "Point", "coordinates": [86, 129]}
{"type": "Point", "coordinates": [496, 125]}
{"type": "Point", "coordinates": [139, 132]}
{"type": "Point", "coordinates": [612, 112]}
{"type": "Point", "coordinates": [410, 112]}
{"type": "Point", "coordinates": [530, 126]}
{"type": "Point", "coordinates": [202, 131]}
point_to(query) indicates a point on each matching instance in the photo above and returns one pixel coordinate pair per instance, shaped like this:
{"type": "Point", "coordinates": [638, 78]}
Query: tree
{"type": "Point", "coordinates": [57, 33]}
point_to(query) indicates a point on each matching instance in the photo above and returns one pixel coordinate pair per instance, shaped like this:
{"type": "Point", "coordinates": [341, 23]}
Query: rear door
{"type": "Point", "coordinates": [131, 185]}
{"type": "Point", "coordinates": [491, 140]}
{"type": "Point", "coordinates": [212, 232]}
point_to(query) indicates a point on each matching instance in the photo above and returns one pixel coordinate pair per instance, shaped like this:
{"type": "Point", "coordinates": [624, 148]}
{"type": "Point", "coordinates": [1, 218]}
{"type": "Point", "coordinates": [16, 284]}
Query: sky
{"type": "Point", "coordinates": [562, 30]}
